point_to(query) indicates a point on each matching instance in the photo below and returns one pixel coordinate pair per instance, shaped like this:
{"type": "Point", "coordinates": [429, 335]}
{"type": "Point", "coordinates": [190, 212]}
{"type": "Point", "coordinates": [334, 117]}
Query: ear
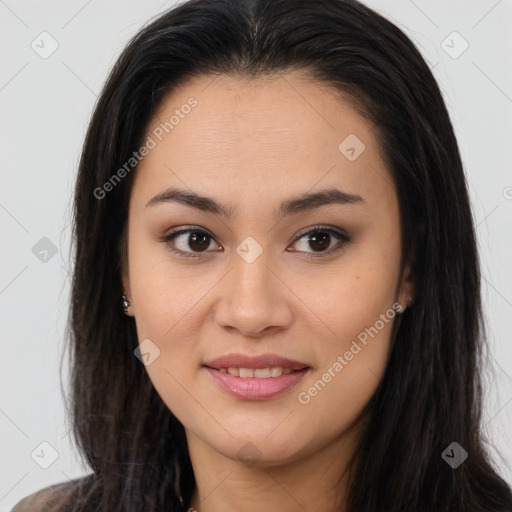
{"type": "Point", "coordinates": [126, 283]}
{"type": "Point", "coordinates": [407, 292]}
{"type": "Point", "coordinates": [124, 273]}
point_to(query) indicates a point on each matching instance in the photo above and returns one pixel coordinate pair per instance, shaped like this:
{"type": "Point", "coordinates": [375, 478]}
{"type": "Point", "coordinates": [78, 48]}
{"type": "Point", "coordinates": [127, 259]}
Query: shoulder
{"type": "Point", "coordinates": [55, 495]}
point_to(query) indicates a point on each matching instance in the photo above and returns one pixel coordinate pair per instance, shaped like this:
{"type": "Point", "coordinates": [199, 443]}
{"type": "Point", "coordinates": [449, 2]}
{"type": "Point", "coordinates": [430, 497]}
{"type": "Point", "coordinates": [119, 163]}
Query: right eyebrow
{"type": "Point", "coordinates": [301, 204]}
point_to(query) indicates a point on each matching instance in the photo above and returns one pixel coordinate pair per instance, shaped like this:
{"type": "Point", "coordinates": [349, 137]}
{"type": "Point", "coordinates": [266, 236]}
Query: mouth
{"type": "Point", "coordinates": [245, 365]}
{"type": "Point", "coordinates": [255, 377]}
{"type": "Point", "coordinates": [250, 384]}
{"type": "Point", "coordinates": [269, 372]}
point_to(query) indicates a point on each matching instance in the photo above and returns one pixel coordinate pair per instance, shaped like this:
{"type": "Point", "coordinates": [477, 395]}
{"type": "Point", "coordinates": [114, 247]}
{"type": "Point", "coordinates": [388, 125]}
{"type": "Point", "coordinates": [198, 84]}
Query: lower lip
{"type": "Point", "coordinates": [253, 388]}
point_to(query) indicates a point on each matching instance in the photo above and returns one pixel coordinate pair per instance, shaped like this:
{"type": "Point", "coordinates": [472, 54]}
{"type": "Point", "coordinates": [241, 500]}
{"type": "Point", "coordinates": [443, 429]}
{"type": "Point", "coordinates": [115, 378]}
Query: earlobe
{"type": "Point", "coordinates": [125, 283]}
{"type": "Point", "coordinates": [125, 299]}
{"type": "Point", "coordinates": [123, 257]}
{"type": "Point", "coordinates": [407, 289]}
{"type": "Point", "coordinates": [126, 305]}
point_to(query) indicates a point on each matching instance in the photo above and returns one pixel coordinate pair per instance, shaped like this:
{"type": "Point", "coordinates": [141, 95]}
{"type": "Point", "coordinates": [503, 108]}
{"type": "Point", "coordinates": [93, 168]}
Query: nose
{"type": "Point", "coordinates": [253, 299]}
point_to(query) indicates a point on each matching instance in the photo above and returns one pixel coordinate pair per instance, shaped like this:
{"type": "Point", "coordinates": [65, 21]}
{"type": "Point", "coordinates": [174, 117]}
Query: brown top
{"type": "Point", "coordinates": [51, 496]}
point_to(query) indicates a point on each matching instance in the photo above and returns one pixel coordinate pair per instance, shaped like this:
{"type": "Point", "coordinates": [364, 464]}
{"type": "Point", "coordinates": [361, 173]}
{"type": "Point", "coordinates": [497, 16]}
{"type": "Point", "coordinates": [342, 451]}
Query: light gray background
{"type": "Point", "coordinates": [45, 107]}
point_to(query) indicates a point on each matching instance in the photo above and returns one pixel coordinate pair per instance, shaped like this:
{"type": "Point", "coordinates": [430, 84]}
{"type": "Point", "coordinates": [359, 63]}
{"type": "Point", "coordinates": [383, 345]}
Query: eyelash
{"type": "Point", "coordinates": [343, 240]}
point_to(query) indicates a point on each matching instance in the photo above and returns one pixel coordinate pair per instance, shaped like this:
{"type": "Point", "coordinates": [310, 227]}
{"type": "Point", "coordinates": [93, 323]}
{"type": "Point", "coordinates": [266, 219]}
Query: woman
{"type": "Point", "coordinates": [275, 191]}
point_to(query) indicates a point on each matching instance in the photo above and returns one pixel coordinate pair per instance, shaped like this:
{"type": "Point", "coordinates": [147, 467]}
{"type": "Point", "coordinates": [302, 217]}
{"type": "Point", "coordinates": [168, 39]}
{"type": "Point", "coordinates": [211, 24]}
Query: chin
{"type": "Point", "coordinates": [259, 451]}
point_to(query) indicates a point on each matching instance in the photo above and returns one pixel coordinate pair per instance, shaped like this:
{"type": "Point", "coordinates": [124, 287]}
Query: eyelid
{"type": "Point", "coordinates": [343, 239]}
{"type": "Point", "coordinates": [319, 227]}
{"type": "Point", "coordinates": [170, 235]}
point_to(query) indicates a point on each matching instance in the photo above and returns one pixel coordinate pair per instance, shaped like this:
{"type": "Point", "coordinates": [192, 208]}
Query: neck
{"type": "Point", "coordinates": [317, 480]}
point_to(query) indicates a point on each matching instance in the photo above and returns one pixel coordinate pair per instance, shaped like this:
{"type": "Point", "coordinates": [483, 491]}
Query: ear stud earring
{"type": "Point", "coordinates": [125, 304]}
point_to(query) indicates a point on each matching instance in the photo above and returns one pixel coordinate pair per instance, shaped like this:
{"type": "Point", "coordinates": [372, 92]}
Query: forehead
{"type": "Point", "coordinates": [280, 134]}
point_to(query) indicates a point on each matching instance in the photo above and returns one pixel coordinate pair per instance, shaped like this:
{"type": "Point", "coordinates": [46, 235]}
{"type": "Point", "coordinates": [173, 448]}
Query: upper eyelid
{"type": "Point", "coordinates": [300, 234]}
{"type": "Point", "coordinates": [319, 227]}
{"type": "Point", "coordinates": [343, 239]}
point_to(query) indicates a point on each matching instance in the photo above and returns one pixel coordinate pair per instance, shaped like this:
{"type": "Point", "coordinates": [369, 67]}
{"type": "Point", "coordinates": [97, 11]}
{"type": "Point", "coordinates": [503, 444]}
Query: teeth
{"type": "Point", "coordinates": [260, 373]}
{"type": "Point", "coordinates": [246, 372]}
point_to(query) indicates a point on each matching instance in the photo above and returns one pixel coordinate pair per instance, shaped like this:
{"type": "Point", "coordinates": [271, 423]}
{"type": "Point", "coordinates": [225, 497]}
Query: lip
{"type": "Point", "coordinates": [253, 388]}
{"type": "Point", "coordinates": [260, 361]}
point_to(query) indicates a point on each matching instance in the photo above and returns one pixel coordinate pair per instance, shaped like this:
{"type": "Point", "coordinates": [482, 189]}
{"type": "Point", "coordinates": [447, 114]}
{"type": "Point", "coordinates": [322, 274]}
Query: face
{"type": "Point", "coordinates": [258, 271]}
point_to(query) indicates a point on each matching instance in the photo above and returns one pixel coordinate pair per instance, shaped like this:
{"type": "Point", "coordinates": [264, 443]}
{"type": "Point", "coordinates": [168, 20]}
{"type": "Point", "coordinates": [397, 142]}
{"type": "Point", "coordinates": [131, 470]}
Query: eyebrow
{"type": "Point", "coordinates": [301, 204]}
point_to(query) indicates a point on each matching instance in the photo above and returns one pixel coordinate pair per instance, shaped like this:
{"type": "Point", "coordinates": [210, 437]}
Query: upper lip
{"type": "Point", "coordinates": [260, 361]}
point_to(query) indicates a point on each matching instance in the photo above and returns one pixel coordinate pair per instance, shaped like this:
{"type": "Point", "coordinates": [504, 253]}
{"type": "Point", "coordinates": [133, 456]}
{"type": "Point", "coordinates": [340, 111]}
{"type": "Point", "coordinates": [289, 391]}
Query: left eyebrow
{"type": "Point", "coordinates": [311, 201]}
{"type": "Point", "coordinates": [301, 204]}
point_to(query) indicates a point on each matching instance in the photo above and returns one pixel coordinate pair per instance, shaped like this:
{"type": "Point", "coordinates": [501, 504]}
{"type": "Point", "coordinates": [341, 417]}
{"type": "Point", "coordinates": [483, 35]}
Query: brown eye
{"type": "Point", "coordinates": [319, 239]}
{"type": "Point", "coordinates": [198, 241]}
{"type": "Point", "coordinates": [189, 242]}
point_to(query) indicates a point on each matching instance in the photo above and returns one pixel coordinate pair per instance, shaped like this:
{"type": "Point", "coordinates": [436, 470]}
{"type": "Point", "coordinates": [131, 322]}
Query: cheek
{"type": "Point", "coordinates": [164, 314]}
{"type": "Point", "coordinates": [347, 300]}
{"type": "Point", "coordinates": [348, 377]}
{"type": "Point", "coordinates": [163, 294]}
{"type": "Point", "coordinates": [356, 307]}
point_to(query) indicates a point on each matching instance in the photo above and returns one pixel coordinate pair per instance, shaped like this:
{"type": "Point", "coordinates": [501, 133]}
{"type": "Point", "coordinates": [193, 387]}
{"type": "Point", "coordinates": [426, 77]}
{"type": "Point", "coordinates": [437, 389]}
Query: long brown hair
{"type": "Point", "coordinates": [430, 394]}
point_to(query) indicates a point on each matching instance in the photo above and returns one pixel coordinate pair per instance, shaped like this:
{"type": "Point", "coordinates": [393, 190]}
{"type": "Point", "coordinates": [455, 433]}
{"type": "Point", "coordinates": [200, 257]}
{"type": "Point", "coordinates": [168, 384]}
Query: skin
{"type": "Point", "coordinates": [251, 145]}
